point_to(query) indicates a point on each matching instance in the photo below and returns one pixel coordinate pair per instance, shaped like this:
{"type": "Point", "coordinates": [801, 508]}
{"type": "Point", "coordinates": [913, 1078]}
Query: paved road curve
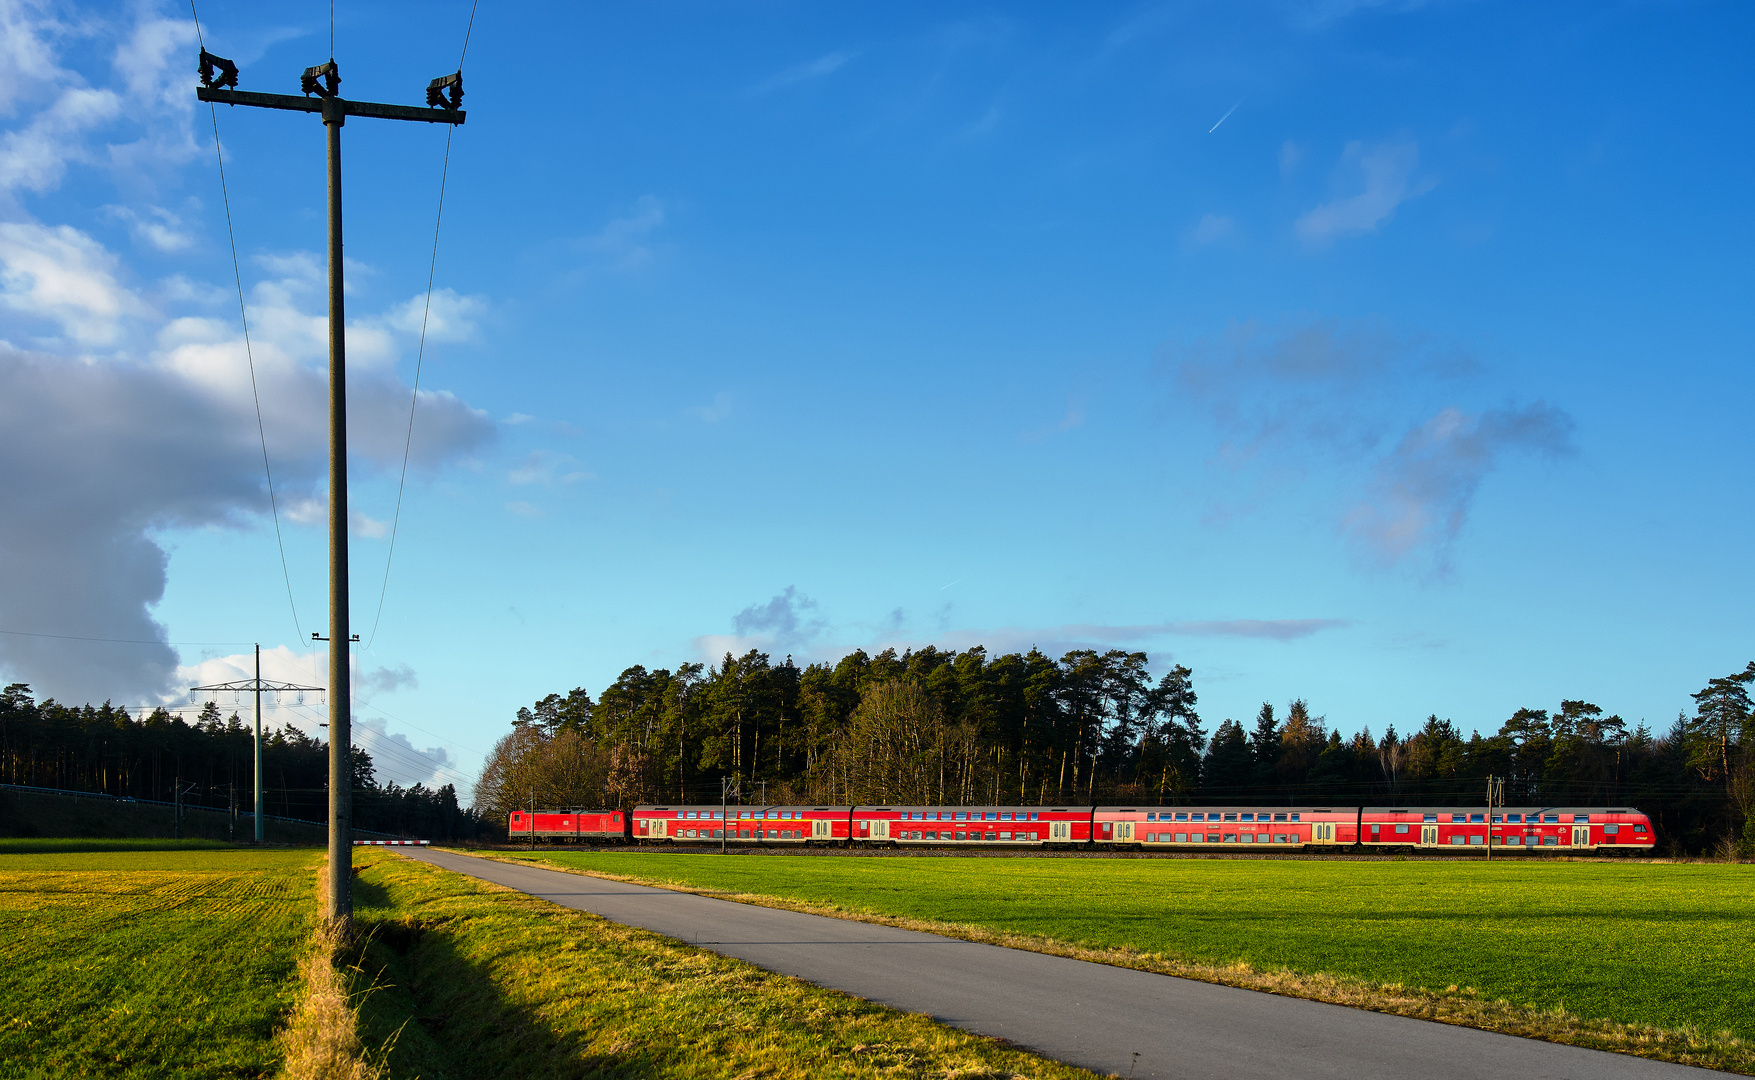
{"type": "Point", "coordinates": [1100, 1016]}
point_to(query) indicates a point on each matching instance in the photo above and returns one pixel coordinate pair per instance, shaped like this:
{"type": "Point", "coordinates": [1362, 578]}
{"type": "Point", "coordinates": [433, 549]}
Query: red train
{"type": "Point", "coordinates": [1145, 828]}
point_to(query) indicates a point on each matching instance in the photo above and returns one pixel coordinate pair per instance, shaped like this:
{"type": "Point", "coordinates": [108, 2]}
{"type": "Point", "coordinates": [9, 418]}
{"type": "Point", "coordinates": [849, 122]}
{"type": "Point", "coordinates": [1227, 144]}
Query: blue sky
{"type": "Point", "coordinates": [1393, 356]}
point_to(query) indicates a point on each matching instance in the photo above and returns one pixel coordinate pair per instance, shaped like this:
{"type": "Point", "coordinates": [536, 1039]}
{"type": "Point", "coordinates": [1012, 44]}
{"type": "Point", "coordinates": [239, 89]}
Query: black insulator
{"type": "Point", "coordinates": [228, 71]}
{"type": "Point", "coordinates": [446, 92]}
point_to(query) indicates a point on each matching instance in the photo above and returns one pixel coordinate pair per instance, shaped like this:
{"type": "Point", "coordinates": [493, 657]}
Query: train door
{"type": "Point", "coordinates": [1323, 832]}
{"type": "Point", "coordinates": [1123, 832]}
{"type": "Point", "coordinates": [655, 827]}
{"type": "Point", "coordinates": [1059, 830]}
{"type": "Point", "coordinates": [820, 829]}
{"type": "Point", "coordinates": [1428, 834]}
{"type": "Point", "coordinates": [880, 830]}
{"type": "Point", "coordinates": [1581, 836]}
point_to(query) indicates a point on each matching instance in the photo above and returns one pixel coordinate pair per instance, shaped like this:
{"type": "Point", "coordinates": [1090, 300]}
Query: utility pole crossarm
{"type": "Point", "coordinates": [298, 103]}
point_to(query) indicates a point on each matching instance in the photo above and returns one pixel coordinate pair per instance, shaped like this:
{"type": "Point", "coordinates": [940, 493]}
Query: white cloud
{"type": "Point", "coordinates": [827, 64]}
{"type": "Point", "coordinates": [452, 317]}
{"type": "Point", "coordinates": [1291, 156]}
{"type": "Point", "coordinates": [1211, 229]}
{"type": "Point", "coordinates": [547, 468]}
{"type": "Point", "coordinates": [1387, 173]}
{"type": "Point", "coordinates": [154, 226]}
{"type": "Point", "coordinates": [715, 411]}
{"type": "Point", "coordinates": [62, 276]}
{"type": "Point", "coordinates": [626, 240]}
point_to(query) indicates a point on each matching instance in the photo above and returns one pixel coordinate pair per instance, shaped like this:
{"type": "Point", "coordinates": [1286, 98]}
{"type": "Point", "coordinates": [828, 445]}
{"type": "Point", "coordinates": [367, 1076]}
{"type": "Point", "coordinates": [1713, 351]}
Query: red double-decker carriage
{"type": "Point", "coordinates": [1533, 829]}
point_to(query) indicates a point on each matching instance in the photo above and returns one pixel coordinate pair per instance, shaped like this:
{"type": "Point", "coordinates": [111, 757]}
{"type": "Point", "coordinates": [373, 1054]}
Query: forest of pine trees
{"type": "Point", "coordinates": [104, 749]}
{"type": "Point", "coordinates": [933, 726]}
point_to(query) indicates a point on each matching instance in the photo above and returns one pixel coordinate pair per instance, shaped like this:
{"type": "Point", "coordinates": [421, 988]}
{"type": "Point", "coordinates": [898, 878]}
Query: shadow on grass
{"type": "Point", "coordinates": [429, 1011]}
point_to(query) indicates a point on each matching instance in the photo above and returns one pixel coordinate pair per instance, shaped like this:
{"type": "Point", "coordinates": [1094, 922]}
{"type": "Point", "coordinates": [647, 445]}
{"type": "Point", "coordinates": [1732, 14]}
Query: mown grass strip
{"type": "Point", "coordinates": [147, 964]}
{"type": "Point", "coordinates": [1657, 961]}
{"type": "Point", "coordinates": [475, 980]}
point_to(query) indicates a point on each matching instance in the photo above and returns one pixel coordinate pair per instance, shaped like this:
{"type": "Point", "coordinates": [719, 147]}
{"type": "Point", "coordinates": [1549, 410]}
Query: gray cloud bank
{"type": "Point", "coordinates": [1392, 414]}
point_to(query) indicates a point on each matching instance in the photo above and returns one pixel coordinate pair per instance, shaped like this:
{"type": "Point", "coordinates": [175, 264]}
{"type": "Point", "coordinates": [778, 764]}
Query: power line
{"type": "Point", "coordinates": [470, 29]}
{"type": "Point", "coordinates": [419, 358]}
{"type": "Point", "coordinates": [116, 641]}
{"type": "Point", "coordinates": [244, 317]}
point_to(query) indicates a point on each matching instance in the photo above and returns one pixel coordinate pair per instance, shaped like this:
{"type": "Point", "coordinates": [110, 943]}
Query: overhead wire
{"type": "Point", "coordinates": [244, 317]}
{"type": "Point", "coordinates": [117, 641]}
{"type": "Point", "coordinates": [420, 352]}
{"type": "Point", "coordinates": [414, 399]}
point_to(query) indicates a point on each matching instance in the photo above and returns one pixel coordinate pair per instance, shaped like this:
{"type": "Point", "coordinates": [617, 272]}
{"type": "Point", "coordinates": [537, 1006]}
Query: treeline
{"type": "Point", "coordinates": [104, 749]}
{"type": "Point", "coordinates": [945, 727]}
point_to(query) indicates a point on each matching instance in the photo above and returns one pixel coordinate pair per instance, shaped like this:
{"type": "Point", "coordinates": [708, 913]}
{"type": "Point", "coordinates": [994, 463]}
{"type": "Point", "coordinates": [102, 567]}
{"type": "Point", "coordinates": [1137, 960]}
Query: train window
{"type": "Point", "coordinates": [1199, 817]}
{"type": "Point", "coordinates": [1430, 818]}
{"type": "Point", "coordinates": [1279, 817]}
{"type": "Point", "coordinates": [1459, 839]}
{"type": "Point", "coordinates": [1611, 830]}
{"type": "Point", "coordinates": [1550, 841]}
{"type": "Point", "coordinates": [1246, 817]}
{"type": "Point", "coordinates": [1005, 817]}
{"type": "Point", "coordinates": [1459, 817]}
{"type": "Point", "coordinates": [1477, 819]}
{"type": "Point", "coordinates": [1279, 838]}
{"type": "Point", "coordinates": [1182, 838]}
{"type": "Point", "coordinates": [962, 835]}
{"type": "Point", "coordinates": [1005, 836]}
{"type": "Point", "coordinates": [1151, 817]}
{"type": "Point", "coordinates": [1513, 818]}
{"type": "Point", "coordinates": [991, 816]}
{"type": "Point", "coordinates": [961, 816]}
{"type": "Point", "coordinates": [1294, 817]}
{"type": "Point", "coordinates": [1032, 815]}
{"type": "Point", "coordinates": [1230, 817]}
{"type": "Point", "coordinates": [1476, 840]}
{"type": "Point", "coordinates": [1551, 819]}
{"type": "Point", "coordinates": [1181, 817]}
{"type": "Point", "coordinates": [1401, 830]}
{"type": "Point", "coordinates": [1581, 818]}
{"type": "Point", "coordinates": [1639, 828]}
{"type": "Point", "coordinates": [1514, 840]}
{"type": "Point", "coordinates": [1376, 828]}
{"type": "Point", "coordinates": [1230, 838]}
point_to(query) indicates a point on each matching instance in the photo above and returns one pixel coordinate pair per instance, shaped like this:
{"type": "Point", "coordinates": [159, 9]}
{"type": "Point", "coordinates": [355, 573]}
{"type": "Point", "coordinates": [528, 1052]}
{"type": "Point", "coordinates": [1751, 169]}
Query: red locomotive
{"type": "Point", "coordinates": [1551, 829]}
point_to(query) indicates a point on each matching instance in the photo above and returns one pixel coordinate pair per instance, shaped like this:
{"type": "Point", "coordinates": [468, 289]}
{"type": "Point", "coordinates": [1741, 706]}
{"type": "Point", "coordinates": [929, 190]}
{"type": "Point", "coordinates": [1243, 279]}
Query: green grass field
{"type": "Point", "coordinates": [1671, 946]}
{"type": "Point", "coordinates": [148, 959]}
{"type": "Point", "coordinates": [475, 981]}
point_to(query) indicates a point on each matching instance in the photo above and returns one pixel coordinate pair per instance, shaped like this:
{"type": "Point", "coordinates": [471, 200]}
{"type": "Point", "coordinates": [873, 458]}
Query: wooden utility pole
{"type": "Point", "coordinates": [322, 86]}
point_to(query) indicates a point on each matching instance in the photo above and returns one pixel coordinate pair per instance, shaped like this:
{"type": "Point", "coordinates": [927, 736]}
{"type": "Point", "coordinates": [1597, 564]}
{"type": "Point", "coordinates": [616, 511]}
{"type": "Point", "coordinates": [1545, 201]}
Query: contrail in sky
{"type": "Point", "coordinates": [1226, 117]}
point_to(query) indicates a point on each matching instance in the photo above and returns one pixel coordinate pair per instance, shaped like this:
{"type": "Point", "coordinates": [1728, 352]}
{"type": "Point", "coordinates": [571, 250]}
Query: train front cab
{"type": "Point", "coordinates": [576, 826]}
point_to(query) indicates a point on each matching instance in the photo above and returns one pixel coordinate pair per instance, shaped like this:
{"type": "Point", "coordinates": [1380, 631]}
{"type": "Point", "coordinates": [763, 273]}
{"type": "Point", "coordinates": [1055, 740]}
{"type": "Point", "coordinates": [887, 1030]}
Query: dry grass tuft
{"type": "Point", "coordinates": [321, 1040]}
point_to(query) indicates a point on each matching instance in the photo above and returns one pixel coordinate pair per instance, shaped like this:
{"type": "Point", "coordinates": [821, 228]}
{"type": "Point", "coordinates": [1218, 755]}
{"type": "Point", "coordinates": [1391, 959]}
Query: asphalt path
{"type": "Point", "coordinates": [1107, 1019]}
